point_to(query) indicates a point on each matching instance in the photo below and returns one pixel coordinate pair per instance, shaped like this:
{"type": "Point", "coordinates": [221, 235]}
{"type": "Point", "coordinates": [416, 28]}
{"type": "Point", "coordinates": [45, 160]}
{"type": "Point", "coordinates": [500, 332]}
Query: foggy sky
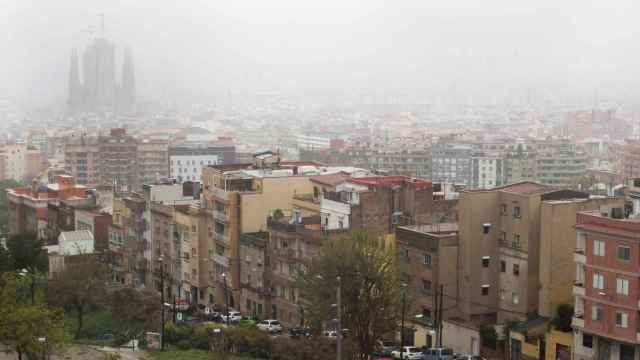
{"type": "Point", "coordinates": [199, 47]}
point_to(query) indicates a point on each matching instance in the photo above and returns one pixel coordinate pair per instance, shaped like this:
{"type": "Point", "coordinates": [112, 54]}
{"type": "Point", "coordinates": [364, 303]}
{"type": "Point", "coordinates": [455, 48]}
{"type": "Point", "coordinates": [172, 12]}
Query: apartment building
{"type": "Point", "coordinates": [293, 242]}
{"type": "Point", "coordinates": [116, 159]}
{"type": "Point", "coordinates": [255, 275]}
{"type": "Point", "coordinates": [28, 205]}
{"type": "Point", "coordinates": [186, 162]}
{"type": "Point", "coordinates": [451, 161]}
{"type": "Point", "coordinates": [81, 158]}
{"type": "Point", "coordinates": [241, 197]}
{"type": "Point", "coordinates": [631, 158]}
{"type": "Point", "coordinates": [429, 255]}
{"type": "Point", "coordinates": [519, 162]}
{"type": "Point", "coordinates": [559, 163]}
{"type": "Point", "coordinates": [127, 244]}
{"type": "Point", "coordinates": [152, 157]}
{"type": "Point", "coordinates": [487, 169]}
{"type": "Point", "coordinates": [19, 162]}
{"type": "Point", "coordinates": [606, 291]}
{"type": "Point", "coordinates": [500, 249]}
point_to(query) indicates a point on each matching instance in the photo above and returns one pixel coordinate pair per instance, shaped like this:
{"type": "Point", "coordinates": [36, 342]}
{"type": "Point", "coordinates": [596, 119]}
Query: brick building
{"type": "Point", "coordinates": [607, 290]}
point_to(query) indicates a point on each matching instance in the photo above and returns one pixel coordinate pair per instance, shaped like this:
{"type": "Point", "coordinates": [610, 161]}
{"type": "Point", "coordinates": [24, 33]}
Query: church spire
{"type": "Point", "coordinates": [128, 83]}
{"type": "Point", "coordinates": [74, 97]}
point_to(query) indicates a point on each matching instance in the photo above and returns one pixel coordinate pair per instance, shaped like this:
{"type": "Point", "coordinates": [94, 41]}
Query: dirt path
{"type": "Point", "coordinates": [86, 352]}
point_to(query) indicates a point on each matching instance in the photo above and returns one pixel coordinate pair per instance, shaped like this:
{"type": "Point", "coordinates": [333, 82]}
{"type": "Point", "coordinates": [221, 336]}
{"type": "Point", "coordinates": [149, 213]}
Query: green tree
{"type": "Point", "coordinates": [26, 253]}
{"type": "Point", "coordinates": [6, 261]}
{"type": "Point", "coordinates": [81, 284]}
{"type": "Point", "coordinates": [23, 325]}
{"type": "Point", "coordinates": [371, 288]}
{"type": "Point", "coordinates": [139, 306]}
{"type": "Point", "coordinates": [564, 315]}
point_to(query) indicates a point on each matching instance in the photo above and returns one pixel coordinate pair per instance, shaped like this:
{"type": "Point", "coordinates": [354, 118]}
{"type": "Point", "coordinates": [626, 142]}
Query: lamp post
{"type": "Point", "coordinates": [32, 284]}
{"type": "Point", "coordinates": [226, 297]}
{"type": "Point", "coordinates": [339, 309]}
{"type": "Point", "coordinates": [160, 260]}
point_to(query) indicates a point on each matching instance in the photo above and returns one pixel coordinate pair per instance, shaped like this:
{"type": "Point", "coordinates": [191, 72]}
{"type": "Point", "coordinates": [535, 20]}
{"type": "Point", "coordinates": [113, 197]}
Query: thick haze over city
{"type": "Point", "coordinates": [477, 51]}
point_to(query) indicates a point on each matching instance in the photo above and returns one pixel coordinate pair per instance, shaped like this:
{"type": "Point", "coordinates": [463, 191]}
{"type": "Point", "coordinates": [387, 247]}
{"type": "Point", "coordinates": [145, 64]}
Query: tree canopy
{"type": "Point", "coordinates": [371, 289]}
{"type": "Point", "coordinates": [81, 284]}
{"type": "Point", "coordinates": [27, 253]}
{"type": "Point", "coordinates": [23, 325]}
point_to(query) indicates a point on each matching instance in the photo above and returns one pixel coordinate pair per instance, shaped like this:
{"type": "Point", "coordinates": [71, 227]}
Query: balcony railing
{"type": "Point", "coordinates": [578, 321]}
{"type": "Point", "coordinates": [578, 289]}
{"type": "Point", "coordinates": [222, 238]}
{"type": "Point", "coordinates": [220, 216]}
{"type": "Point", "coordinates": [580, 257]}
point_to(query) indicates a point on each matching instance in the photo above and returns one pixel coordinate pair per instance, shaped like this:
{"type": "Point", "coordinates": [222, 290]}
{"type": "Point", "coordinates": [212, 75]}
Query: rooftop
{"type": "Point", "coordinates": [433, 229]}
{"type": "Point", "coordinates": [612, 222]}
{"type": "Point", "coordinates": [382, 181]}
{"type": "Point", "coordinates": [331, 180]}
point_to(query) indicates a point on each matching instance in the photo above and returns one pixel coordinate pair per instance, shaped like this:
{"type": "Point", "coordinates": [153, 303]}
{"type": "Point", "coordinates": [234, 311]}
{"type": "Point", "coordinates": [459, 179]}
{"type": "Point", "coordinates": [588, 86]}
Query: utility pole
{"type": "Point", "coordinates": [404, 305]}
{"type": "Point", "coordinates": [339, 309]}
{"type": "Point", "coordinates": [161, 303]}
{"type": "Point", "coordinates": [441, 302]}
{"type": "Point", "coordinates": [226, 296]}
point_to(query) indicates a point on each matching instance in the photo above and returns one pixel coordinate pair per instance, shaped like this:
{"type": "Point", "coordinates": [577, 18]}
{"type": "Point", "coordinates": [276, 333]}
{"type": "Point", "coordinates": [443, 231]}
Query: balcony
{"type": "Point", "coordinates": [578, 321]}
{"type": "Point", "coordinates": [221, 260]}
{"type": "Point", "coordinates": [579, 256]}
{"type": "Point", "coordinates": [578, 289]}
{"type": "Point", "coordinates": [222, 238]}
{"type": "Point", "coordinates": [219, 193]}
{"type": "Point", "coordinates": [220, 216]}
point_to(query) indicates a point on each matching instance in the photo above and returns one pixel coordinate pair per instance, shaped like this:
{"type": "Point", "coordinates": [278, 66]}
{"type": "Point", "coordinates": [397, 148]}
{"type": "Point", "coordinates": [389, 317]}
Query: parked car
{"type": "Point", "coordinates": [440, 353]}
{"type": "Point", "coordinates": [468, 357]}
{"type": "Point", "coordinates": [272, 326]}
{"type": "Point", "coordinates": [234, 317]}
{"type": "Point", "coordinates": [408, 353]}
{"type": "Point", "coordinates": [214, 316]}
{"type": "Point", "coordinates": [385, 347]}
{"type": "Point", "coordinates": [300, 332]}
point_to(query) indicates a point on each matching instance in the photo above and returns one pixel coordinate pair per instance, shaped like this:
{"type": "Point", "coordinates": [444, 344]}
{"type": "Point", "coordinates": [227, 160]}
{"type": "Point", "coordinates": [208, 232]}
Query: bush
{"type": "Point", "coordinates": [183, 344]}
{"type": "Point", "coordinates": [489, 336]}
{"type": "Point", "coordinates": [564, 315]}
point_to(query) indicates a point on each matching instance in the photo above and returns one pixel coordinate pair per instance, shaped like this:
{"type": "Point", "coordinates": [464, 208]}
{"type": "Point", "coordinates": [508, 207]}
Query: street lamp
{"type": "Point", "coordinates": [404, 305]}
{"type": "Point", "coordinates": [226, 297]}
{"type": "Point", "coordinates": [160, 260]}
{"type": "Point", "coordinates": [32, 285]}
{"type": "Point", "coordinates": [43, 341]}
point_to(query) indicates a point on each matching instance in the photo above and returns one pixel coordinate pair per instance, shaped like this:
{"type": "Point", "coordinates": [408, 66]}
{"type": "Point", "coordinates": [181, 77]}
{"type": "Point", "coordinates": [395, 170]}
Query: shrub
{"type": "Point", "coordinates": [183, 344]}
{"type": "Point", "coordinates": [489, 336]}
{"type": "Point", "coordinates": [564, 315]}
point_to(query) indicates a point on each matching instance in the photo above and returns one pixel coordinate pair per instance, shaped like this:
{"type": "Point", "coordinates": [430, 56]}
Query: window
{"type": "Point", "coordinates": [598, 281]}
{"type": "Point", "coordinates": [485, 261]}
{"type": "Point", "coordinates": [485, 290]}
{"type": "Point", "coordinates": [516, 241]}
{"type": "Point", "coordinates": [622, 319]}
{"type": "Point", "coordinates": [501, 294]}
{"type": "Point", "coordinates": [503, 236]}
{"type": "Point", "coordinates": [587, 340]}
{"type": "Point", "coordinates": [596, 313]}
{"type": "Point", "coordinates": [516, 269]}
{"type": "Point", "coordinates": [503, 209]}
{"type": "Point", "coordinates": [515, 298]}
{"type": "Point", "coordinates": [598, 248]}
{"type": "Point", "coordinates": [427, 259]}
{"type": "Point", "coordinates": [426, 285]}
{"type": "Point", "coordinates": [503, 266]}
{"type": "Point", "coordinates": [516, 212]}
{"type": "Point", "coordinates": [622, 286]}
{"type": "Point", "coordinates": [624, 253]}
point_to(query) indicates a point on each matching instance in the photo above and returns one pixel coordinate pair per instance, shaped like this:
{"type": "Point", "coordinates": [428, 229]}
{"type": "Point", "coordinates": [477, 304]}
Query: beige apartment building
{"type": "Point", "coordinates": [557, 249]}
{"type": "Point", "coordinates": [506, 236]}
{"type": "Point", "coordinates": [19, 162]}
{"type": "Point", "coordinates": [239, 198]}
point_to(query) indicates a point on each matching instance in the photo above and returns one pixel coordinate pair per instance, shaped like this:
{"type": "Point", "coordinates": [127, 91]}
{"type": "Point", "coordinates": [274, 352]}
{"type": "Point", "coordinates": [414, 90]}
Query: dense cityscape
{"type": "Point", "coordinates": [365, 223]}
